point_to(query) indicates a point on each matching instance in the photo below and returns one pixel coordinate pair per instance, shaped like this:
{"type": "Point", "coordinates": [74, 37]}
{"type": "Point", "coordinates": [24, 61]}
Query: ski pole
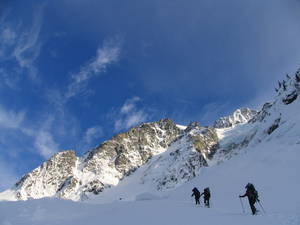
{"type": "Point", "coordinates": [261, 207]}
{"type": "Point", "coordinates": [242, 205]}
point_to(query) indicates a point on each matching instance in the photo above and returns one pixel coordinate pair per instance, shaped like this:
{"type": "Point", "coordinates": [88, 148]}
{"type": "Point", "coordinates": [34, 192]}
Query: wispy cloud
{"type": "Point", "coordinates": [7, 174]}
{"type": "Point", "coordinates": [107, 54]}
{"type": "Point", "coordinates": [16, 128]}
{"type": "Point", "coordinates": [8, 38]}
{"type": "Point", "coordinates": [92, 133]}
{"type": "Point", "coordinates": [43, 140]}
{"type": "Point", "coordinates": [10, 119]}
{"type": "Point", "coordinates": [130, 115]}
{"type": "Point", "coordinates": [28, 46]}
{"type": "Point", "coordinates": [40, 133]}
{"type": "Point", "coordinates": [9, 77]}
{"type": "Point", "coordinates": [129, 105]}
{"type": "Point", "coordinates": [45, 144]}
{"type": "Point", "coordinates": [7, 35]}
{"type": "Point", "coordinates": [21, 46]}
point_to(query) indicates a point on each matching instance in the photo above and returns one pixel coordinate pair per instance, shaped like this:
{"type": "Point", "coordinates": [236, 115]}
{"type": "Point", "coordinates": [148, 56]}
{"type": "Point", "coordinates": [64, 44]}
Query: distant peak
{"type": "Point", "coordinates": [192, 125]}
{"type": "Point", "coordinates": [239, 116]}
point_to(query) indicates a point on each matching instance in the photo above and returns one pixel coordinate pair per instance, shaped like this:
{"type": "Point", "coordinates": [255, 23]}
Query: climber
{"type": "Point", "coordinates": [252, 195]}
{"type": "Point", "coordinates": [206, 193]}
{"type": "Point", "coordinates": [196, 193]}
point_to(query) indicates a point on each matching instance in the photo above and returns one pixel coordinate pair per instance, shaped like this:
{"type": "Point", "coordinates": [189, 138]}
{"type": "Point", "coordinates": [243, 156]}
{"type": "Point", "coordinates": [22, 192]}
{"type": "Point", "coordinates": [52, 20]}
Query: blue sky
{"type": "Point", "coordinates": [75, 72]}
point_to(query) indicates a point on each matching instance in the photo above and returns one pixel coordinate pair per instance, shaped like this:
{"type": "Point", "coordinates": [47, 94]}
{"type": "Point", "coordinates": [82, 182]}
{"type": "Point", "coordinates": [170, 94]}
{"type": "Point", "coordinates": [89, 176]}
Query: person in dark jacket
{"type": "Point", "coordinates": [252, 195]}
{"type": "Point", "coordinates": [196, 194]}
{"type": "Point", "coordinates": [206, 193]}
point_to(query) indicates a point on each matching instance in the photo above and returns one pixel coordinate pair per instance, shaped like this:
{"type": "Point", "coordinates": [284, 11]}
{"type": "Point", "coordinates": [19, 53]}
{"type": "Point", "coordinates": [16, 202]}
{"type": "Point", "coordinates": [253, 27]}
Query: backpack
{"type": "Point", "coordinates": [207, 192]}
{"type": "Point", "coordinates": [255, 194]}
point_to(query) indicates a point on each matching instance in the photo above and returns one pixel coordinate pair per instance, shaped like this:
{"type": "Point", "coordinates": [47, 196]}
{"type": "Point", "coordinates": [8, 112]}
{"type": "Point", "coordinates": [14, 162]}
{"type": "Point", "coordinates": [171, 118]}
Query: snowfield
{"type": "Point", "coordinates": [50, 212]}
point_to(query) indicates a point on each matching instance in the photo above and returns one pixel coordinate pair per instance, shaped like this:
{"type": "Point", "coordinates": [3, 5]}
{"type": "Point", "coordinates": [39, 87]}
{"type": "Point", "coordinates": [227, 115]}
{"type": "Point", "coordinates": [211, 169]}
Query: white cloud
{"type": "Point", "coordinates": [8, 36]}
{"type": "Point", "coordinates": [28, 46]}
{"type": "Point", "coordinates": [106, 55]}
{"type": "Point", "coordinates": [56, 98]}
{"type": "Point", "coordinates": [16, 129]}
{"type": "Point", "coordinates": [45, 144]}
{"type": "Point", "coordinates": [130, 115]}
{"type": "Point", "coordinates": [135, 118]}
{"type": "Point", "coordinates": [92, 133]}
{"type": "Point", "coordinates": [43, 140]}
{"type": "Point", "coordinates": [22, 46]}
{"type": "Point", "coordinates": [10, 119]}
{"type": "Point", "coordinates": [129, 105]}
{"type": "Point", "coordinates": [9, 77]}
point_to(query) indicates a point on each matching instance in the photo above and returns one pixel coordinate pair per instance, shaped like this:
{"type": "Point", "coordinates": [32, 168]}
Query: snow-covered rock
{"type": "Point", "coordinates": [238, 117]}
{"type": "Point", "coordinates": [66, 176]}
{"type": "Point", "coordinates": [48, 178]}
{"type": "Point", "coordinates": [183, 160]}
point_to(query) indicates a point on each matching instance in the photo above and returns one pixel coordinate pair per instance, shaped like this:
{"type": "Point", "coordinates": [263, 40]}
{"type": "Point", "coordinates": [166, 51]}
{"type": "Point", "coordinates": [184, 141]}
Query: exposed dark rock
{"type": "Point", "coordinates": [206, 143]}
{"type": "Point", "coordinates": [274, 126]}
{"type": "Point", "coordinates": [262, 113]}
{"type": "Point", "coordinates": [290, 98]}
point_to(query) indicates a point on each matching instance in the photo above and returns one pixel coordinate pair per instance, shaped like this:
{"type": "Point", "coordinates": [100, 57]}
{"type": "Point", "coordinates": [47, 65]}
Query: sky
{"type": "Point", "coordinates": [73, 73]}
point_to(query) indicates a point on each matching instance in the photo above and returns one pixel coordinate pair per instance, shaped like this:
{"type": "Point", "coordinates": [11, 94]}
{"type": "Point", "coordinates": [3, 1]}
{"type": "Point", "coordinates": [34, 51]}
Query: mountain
{"type": "Point", "coordinates": [161, 156]}
{"type": "Point", "coordinates": [67, 176]}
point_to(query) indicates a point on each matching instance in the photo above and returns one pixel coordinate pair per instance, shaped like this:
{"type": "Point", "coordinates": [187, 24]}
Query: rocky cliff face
{"type": "Point", "coordinates": [184, 159]}
{"type": "Point", "coordinates": [67, 176]}
{"type": "Point", "coordinates": [48, 178]}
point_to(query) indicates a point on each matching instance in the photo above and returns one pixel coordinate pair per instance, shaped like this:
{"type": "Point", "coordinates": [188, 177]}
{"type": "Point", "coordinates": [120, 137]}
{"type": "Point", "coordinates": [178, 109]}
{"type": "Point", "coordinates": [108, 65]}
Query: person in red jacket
{"type": "Point", "coordinates": [252, 195]}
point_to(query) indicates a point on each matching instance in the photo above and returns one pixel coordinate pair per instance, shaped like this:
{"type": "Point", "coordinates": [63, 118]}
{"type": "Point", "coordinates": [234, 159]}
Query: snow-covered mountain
{"type": "Point", "coordinates": [67, 176]}
{"type": "Point", "coordinates": [160, 156]}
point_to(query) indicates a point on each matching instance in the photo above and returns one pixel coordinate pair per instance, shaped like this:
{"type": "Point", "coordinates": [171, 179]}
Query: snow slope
{"type": "Point", "coordinates": [264, 151]}
{"type": "Point", "coordinates": [275, 174]}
